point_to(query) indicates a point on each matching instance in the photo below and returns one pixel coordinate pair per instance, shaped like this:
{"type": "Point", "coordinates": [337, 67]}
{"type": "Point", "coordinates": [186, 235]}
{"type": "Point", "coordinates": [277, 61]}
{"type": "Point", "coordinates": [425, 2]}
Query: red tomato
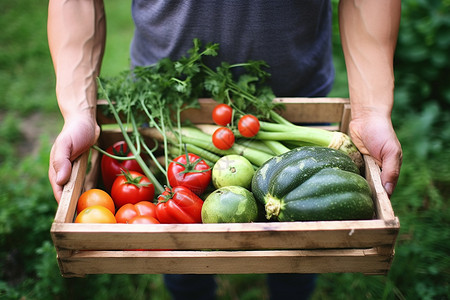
{"type": "Point", "coordinates": [131, 187]}
{"type": "Point", "coordinates": [179, 205]}
{"type": "Point", "coordinates": [129, 211]}
{"type": "Point", "coordinates": [248, 125]}
{"type": "Point", "coordinates": [223, 138]}
{"type": "Point", "coordinates": [222, 114]}
{"type": "Point", "coordinates": [191, 171]}
{"type": "Point", "coordinates": [111, 168]}
{"type": "Point", "coordinates": [143, 220]}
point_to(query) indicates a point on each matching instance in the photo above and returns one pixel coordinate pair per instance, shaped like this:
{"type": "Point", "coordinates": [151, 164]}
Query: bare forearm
{"type": "Point", "coordinates": [369, 34]}
{"type": "Point", "coordinates": [76, 35]}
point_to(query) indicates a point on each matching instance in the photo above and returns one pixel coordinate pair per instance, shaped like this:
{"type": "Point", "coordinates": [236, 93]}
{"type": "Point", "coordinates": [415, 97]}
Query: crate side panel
{"type": "Point", "coordinates": [312, 110]}
{"type": "Point", "coordinates": [72, 190]}
{"type": "Point", "coordinates": [294, 235]}
{"type": "Point", "coordinates": [382, 202]}
{"type": "Point", "coordinates": [225, 262]}
{"type": "Point", "coordinates": [296, 110]}
{"type": "Point", "coordinates": [346, 118]}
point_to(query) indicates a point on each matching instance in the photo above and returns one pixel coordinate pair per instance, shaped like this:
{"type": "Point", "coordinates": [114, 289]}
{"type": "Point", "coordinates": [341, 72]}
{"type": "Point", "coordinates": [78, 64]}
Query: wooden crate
{"type": "Point", "coordinates": [365, 246]}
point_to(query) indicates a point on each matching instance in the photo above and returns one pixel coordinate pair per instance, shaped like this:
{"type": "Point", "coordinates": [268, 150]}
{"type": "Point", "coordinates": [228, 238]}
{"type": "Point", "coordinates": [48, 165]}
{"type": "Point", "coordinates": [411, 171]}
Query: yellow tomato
{"type": "Point", "coordinates": [95, 214]}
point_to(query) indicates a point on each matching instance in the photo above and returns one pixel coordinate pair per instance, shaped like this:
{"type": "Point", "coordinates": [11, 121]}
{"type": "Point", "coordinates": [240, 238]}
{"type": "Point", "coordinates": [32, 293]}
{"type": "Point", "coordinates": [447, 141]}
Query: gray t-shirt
{"type": "Point", "coordinates": [292, 36]}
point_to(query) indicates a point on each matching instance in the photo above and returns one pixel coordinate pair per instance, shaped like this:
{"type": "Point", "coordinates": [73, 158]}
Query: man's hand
{"type": "Point", "coordinates": [374, 135]}
{"type": "Point", "coordinates": [76, 137]}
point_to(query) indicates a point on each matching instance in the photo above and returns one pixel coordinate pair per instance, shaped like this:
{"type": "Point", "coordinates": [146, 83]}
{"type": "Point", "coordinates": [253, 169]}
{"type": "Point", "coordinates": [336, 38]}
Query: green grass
{"type": "Point", "coordinates": [28, 267]}
{"type": "Point", "coordinates": [26, 79]}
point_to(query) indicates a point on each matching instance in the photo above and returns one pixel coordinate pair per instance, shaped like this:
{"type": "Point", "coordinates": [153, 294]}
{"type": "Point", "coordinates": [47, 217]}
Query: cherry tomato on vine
{"type": "Point", "coordinates": [222, 114]}
{"type": "Point", "coordinates": [191, 171]}
{"type": "Point", "coordinates": [179, 205]}
{"type": "Point", "coordinates": [223, 138]}
{"type": "Point", "coordinates": [248, 125]}
{"type": "Point", "coordinates": [131, 187]}
{"type": "Point", "coordinates": [111, 167]}
{"type": "Point", "coordinates": [130, 211]}
{"type": "Point", "coordinates": [95, 197]}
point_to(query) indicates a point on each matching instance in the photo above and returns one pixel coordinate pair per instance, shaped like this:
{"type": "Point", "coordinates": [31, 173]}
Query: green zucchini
{"type": "Point", "coordinates": [312, 183]}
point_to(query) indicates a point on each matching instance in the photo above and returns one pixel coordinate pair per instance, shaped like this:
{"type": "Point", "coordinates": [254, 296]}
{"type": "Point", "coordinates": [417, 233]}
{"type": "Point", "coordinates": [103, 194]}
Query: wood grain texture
{"type": "Point", "coordinates": [366, 261]}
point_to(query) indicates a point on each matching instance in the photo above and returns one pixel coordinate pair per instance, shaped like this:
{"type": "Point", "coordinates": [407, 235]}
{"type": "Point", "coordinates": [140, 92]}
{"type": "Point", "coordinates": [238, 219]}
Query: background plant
{"type": "Point", "coordinates": [28, 267]}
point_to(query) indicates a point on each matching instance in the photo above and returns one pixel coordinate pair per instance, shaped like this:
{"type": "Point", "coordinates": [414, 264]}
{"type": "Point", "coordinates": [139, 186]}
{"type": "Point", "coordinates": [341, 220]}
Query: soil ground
{"type": "Point", "coordinates": [33, 127]}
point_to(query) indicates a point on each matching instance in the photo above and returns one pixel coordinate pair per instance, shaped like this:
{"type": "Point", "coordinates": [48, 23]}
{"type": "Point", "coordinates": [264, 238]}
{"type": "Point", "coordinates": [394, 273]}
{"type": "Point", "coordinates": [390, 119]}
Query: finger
{"type": "Point", "coordinates": [390, 171]}
{"type": "Point", "coordinates": [57, 189]}
{"type": "Point", "coordinates": [60, 166]}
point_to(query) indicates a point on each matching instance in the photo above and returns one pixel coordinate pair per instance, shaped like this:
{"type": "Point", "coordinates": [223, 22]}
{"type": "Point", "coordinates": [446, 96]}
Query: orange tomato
{"type": "Point", "coordinates": [95, 197]}
{"type": "Point", "coordinates": [95, 214]}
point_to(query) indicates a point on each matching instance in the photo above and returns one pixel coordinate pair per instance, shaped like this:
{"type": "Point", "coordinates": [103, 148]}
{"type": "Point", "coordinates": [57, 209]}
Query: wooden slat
{"type": "Point", "coordinates": [383, 204]}
{"type": "Point", "coordinates": [225, 262]}
{"type": "Point", "coordinates": [276, 235]}
{"type": "Point", "coordinates": [346, 118]}
{"type": "Point", "coordinates": [296, 110]}
{"type": "Point", "coordinates": [72, 190]}
{"type": "Point", "coordinates": [313, 110]}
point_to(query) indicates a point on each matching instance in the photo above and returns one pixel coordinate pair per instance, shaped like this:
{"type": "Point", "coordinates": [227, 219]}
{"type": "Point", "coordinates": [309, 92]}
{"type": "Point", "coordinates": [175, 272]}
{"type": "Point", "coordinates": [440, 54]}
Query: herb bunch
{"type": "Point", "coordinates": [154, 96]}
{"type": "Point", "coordinates": [168, 87]}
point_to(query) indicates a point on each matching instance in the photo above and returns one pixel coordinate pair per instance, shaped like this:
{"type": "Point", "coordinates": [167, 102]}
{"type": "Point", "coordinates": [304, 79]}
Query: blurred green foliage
{"type": "Point", "coordinates": [26, 71]}
{"type": "Point", "coordinates": [421, 267]}
{"type": "Point", "coordinates": [422, 56]}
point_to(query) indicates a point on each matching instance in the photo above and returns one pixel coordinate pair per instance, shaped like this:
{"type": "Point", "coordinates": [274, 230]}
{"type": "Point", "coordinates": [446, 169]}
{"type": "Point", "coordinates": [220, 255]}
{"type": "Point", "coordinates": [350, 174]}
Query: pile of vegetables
{"type": "Point", "coordinates": [147, 103]}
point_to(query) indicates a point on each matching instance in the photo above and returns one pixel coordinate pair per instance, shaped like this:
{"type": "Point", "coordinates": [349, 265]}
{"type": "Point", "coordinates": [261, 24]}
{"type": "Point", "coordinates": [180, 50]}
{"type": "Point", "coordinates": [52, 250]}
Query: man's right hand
{"type": "Point", "coordinates": [76, 137]}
